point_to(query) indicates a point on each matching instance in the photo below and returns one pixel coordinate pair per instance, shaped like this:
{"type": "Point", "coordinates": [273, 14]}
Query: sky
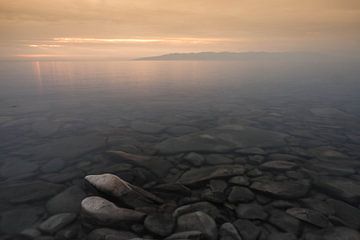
{"type": "Point", "coordinates": [129, 29]}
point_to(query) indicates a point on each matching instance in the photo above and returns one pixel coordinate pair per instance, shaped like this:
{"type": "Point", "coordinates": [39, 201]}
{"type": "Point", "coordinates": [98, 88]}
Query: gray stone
{"type": "Point", "coordinates": [195, 159]}
{"type": "Point", "coordinates": [247, 229]}
{"type": "Point", "coordinates": [216, 159]}
{"type": "Point", "coordinates": [336, 233]}
{"type": "Point", "coordinates": [205, 207]}
{"type": "Point", "coordinates": [278, 165]}
{"type": "Point", "coordinates": [191, 235]}
{"type": "Point", "coordinates": [222, 139]}
{"type": "Point", "coordinates": [341, 188]}
{"type": "Point", "coordinates": [129, 194]}
{"type": "Point", "coordinates": [310, 216]}
{"type": "Point", "coordinates": [318, 205]}
{"type": "Point", "coordinates": [240, 180]}
{"type": "Point", "coordinates": [348, 214]}
{"type": "Point", "coordinates": [253, 150]}
{"type": "Point", "coordinates": [157, 165]}
{"type": "Point", "coordinates": [284, 221]}
{"type": "Point", "coordinates": [160, 224]}
{"type": "Point", "coordinates": [29, 191]}
{"type": "Point", "coordinates": [240, 194]}
{"type": "Point", "coordinates": [284, 190]}
{"type": "Point", "coordinates": [110, 234]}
{"type": "Point", "coordinates": [14, 221]}
{"type": "Point", "coordinates": [67, 201]}
{"type": "Point", "coordinates": [206, 173]}
{"type": "Point", "coordinates": [104, 212]}
{"type": "Point", "coordinates": [227, 231]}
{"type": "Point", "coordinates": [282, 236]}
{"type": "Point", "coordinates": [256, 159]}
{"type": "Point", "coordinates": [198, 221]}
{"type": "Point", "coordinates": [57, 222]}
{"type": "Point", "coordinates": [251, 211]}
{"type": "Point", "coordinates": [217, 185]}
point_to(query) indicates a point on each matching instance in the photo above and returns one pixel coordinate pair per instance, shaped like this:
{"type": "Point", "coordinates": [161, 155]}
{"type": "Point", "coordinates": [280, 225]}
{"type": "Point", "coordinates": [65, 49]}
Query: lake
{"type": "Point", "coordinates": [59, 120]}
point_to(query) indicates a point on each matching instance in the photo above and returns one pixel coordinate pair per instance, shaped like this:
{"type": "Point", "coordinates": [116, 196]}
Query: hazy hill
{"type": "Point", "coordinates": [208, 56]}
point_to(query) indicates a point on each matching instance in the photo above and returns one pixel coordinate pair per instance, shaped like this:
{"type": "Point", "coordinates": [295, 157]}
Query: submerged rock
{"type": "Point", "coordinates": [348, 214]}
{"type": "Point", "coordinates": [160, 224]}
{"type": "Point", "coordinates": [191, 235]}
{"type": "Point", "coordinates": [198, 221]}
{"type": "Point", "coordinates": [158, 166]}
{"type": "Point", "coordinates": [240, 194]}
{"type": "Point", "coordinates": [206, 173]}
{"type": "Point", "coordinates": [205, 207]}
{"type": "Point", "coordinates": [67, 201]}
{"type": "Point", "coordinates": [284, 221]}
{"type": "Point", "coordinates": [278, 165]}
{"type": "Point", "coordinates": [285, 190]}
{"type": "Point", "coordinates": [310, 216]}
{"type": "Point", "coordinates": [222, 139]}
{"type": "Point", "coordinates": [336, 233]}
{"type": "Point", "coordinates": [227, 231]}
{"type": "Point", "coordinates": [247, 229]}
{"type": "Point", "coordinates": [251, 211]}
{"type": "Point", "coordinates": [129, 194]}
{"type": "Point", "coordinates": [104, 212]}
{"type": "Point", "coordinates": [57, 222]}
{"type": "Point", "coordinates": [341, 188]}
{"type": "Point", "coordinates": [110, 234]}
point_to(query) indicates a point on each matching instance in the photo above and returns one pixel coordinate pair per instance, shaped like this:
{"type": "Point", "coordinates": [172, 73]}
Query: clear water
{"type": "Point", "coordinates": [49, 110]}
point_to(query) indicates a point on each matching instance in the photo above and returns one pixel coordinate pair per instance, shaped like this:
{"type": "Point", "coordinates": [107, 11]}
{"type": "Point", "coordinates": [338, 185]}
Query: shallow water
{"type": "Point", "coordinates": [58, 118]}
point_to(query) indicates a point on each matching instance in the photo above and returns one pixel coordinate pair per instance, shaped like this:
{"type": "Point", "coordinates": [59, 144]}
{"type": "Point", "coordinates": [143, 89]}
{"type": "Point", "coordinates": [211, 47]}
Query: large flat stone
{"type": "Point", "coordinates": [284, 190]}
{"type": "Point", "coordinates": [341, 188]}
{"type": "Point", "coordinates": [222, 139]}
{"type": "Point", "coordinates": [197, 175]}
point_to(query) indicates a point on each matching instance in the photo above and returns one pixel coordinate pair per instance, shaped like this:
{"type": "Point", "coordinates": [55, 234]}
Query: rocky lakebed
{"type": "Point", "coordinates": [223, 179]}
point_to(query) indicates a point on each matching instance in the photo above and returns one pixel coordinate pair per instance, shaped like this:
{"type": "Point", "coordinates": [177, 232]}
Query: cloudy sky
{"type": "Point", "coordinates": [129, 28]}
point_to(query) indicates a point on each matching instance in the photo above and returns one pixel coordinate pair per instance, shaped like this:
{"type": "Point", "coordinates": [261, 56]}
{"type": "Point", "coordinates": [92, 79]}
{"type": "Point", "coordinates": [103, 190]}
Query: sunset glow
{"type": "Point", "coordinates": [128, 29]}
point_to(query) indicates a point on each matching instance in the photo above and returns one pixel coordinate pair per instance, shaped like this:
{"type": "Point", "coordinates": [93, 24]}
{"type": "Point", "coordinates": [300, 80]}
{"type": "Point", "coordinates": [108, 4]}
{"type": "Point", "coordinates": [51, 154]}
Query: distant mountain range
{"type": "Point", "coordinates": [229, 56]}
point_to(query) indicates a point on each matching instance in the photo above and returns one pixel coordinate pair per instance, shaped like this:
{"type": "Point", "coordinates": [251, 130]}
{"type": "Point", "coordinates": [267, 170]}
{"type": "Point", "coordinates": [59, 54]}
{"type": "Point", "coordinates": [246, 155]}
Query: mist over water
{"type": "Point", "coordinates": [58, 118]}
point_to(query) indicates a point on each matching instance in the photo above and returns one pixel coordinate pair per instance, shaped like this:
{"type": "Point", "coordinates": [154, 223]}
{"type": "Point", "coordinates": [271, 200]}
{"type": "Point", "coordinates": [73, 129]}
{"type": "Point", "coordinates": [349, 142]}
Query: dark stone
{"type": "Point", "coordinates": [110, 234]}
{"type": "Point", "coordinates": [310, 216]}
{"type": "Point", "coordinates": [348, 214]}
{"type": "Point", "coordinates": [198, 221]}
{"type": "Point", "coordinates": [284, 221]}
{"type": "Point", "coordinates": [251, 211]}
{"type": "Point", "coordinates": [191, 235]}
{"type": "Point", "coordinates": [341, 188]}
{"type": "Point", "coordinates": [240, 194]}
{"type": "Point", "coordinates": [284, 190]}
{"type": "Point", "coordinates": [205, 207]}
{"type": "Point", "coordinates": [57, 222]}
{"type": "Point", "coordinates": [206, 173]}
{"type": "Point", "coordinates": [247, 229]}
{"type": "Point", "coordinates": [67, 201]}
{"type": "Point", "coordinates": [278, 165]}
{"type": "Point", "coordinates": [160, 224]}
{"type": "Point", "coordinates": [227, 231]}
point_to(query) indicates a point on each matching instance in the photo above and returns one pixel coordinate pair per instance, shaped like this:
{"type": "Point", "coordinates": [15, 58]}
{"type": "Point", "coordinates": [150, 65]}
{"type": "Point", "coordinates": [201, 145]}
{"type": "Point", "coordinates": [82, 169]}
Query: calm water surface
{"type": "Point", "coordinates": [57, 118]}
